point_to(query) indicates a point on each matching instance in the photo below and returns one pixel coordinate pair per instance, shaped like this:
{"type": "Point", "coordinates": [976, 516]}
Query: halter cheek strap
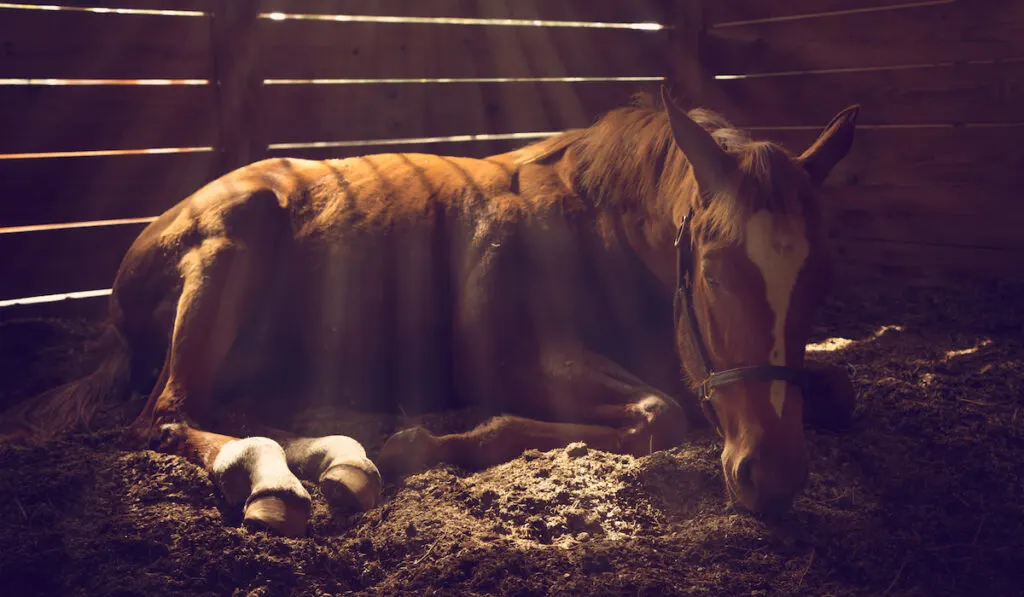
{"type": "Point", "coordinates": [683, 310]}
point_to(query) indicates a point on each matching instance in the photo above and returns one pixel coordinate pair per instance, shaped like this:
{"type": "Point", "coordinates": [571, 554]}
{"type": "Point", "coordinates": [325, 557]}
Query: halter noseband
{"type": "Point", "coordinates": [683, 308]}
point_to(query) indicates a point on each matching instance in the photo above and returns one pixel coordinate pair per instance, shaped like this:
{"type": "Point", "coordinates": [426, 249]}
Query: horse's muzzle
{"type": "Point", "coordinates": [763, 485]}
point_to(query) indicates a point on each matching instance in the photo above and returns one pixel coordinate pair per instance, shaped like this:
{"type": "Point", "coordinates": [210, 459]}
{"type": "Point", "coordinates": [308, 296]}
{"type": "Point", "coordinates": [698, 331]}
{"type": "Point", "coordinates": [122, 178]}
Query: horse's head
{"type": "Point", "coordinates": [752, 267]}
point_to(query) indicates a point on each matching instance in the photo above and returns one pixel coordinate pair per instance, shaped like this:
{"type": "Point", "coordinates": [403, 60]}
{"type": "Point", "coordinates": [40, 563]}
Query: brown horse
{"type": "Point", "coordinates": [537, 282]}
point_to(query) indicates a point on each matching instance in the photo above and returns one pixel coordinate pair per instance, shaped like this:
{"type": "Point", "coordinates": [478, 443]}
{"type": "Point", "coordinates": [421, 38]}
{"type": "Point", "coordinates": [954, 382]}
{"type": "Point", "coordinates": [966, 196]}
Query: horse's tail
{"type": "Point", "coordinates": [72, 405]}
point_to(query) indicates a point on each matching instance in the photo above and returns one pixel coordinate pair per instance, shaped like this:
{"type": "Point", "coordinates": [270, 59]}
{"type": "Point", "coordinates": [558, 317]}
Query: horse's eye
{"type": "Point", "coordinates": [711, 270]}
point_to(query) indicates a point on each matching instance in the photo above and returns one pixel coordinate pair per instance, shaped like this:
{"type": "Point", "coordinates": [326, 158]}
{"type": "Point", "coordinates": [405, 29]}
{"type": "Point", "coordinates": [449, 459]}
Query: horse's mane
{"type": "Point", "coordinates": [629, 157]}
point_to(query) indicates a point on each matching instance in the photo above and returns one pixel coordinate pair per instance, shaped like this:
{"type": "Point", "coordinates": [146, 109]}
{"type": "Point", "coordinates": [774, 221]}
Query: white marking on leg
{"type": "Point", "coordinates": [339, 464]}
{"type": "Point", "coordinates": [254, 464]}
{"type": "Point", "coordinates": [778, 246]}
{"type": "Point", "coordinates": [311, 458]}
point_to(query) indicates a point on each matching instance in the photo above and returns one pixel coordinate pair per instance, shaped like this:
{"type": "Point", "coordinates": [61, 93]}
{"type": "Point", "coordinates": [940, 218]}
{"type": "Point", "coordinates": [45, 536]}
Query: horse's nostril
{"type": "Point", "coordinates": [745, 474]}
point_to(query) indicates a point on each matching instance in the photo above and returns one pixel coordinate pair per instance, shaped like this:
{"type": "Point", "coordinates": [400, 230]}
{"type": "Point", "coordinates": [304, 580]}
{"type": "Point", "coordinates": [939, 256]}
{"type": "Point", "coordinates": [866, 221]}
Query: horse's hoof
{"type": "Point", "coordinates": [150, 436]}
{"type": "Point", "coordinates": [277, 516]}
{"type": "Point", "coordinates": [349, 488]}
{"type": "Point", "coordinates": [406, 452]}
{"type": "Point", "coordinates": [169, 438]}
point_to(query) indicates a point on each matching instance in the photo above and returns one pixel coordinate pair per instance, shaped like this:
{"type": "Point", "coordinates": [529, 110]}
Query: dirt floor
{"type": "Point", "coordinates": [923, 496]}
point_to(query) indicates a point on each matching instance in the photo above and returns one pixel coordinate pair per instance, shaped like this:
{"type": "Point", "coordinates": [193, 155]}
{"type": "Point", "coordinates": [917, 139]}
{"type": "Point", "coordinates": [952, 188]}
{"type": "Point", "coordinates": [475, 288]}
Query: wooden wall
{"type": "Point", "coordinates": [387, 55]}
{"type": "Point", "coordinates": [931, 188]}
{"type": "Point", "coordinates": [50, 171]}
{"type": "Point", "coordinates": [250, 96]}
{"type": "Point", "coordinates": [934, 185]}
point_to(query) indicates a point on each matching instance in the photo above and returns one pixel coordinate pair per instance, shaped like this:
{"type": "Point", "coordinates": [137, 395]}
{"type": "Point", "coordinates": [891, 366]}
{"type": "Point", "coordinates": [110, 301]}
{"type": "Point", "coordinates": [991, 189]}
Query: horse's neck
{"type": "Point", "coordinates": [652, 246]}
{"type": "Point", "coordinates": [642, 224]}
{"type": "Point", "coordinates": [645, 229]}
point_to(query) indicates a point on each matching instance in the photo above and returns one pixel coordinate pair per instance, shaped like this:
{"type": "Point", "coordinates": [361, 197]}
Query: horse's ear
{"type": "Point", "coordinates": [831, 146]}
{"type": "Point", "coordinates": [712, 166]}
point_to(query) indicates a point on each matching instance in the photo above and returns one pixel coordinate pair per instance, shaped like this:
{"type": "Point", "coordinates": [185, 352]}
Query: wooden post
{"type": "Point", "coordinates": [689, 79]}
{"type": "Point", "coordinates": [236, 54]}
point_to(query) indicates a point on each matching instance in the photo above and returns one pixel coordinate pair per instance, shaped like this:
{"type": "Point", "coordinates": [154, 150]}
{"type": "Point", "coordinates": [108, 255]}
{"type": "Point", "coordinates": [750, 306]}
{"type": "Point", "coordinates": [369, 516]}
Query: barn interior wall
{"type": "Point", "coordinates": [89, 157]}
{"type": "Point", "coordinates": [930, 189]}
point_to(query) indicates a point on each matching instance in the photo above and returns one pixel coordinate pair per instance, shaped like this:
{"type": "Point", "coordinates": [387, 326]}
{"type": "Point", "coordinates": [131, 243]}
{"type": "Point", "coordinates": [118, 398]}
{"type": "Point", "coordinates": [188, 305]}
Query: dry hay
{"type": "Point", "coordinates": [923, 496]}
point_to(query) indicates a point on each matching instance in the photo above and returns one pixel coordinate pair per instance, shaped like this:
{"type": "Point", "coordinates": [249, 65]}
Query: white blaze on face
{"type": "Point", "coordinates": [778, 246]}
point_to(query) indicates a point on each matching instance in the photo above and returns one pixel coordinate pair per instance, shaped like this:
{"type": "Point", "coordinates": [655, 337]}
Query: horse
{"type": "Point", "coordinates": [606, 285]}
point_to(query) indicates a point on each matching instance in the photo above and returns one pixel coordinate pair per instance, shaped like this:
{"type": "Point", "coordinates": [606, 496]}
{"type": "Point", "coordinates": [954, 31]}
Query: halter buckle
{"type": "Point", "coordinates": [681, 231]}
{"type": "Point", "coordinates": [706, 388]}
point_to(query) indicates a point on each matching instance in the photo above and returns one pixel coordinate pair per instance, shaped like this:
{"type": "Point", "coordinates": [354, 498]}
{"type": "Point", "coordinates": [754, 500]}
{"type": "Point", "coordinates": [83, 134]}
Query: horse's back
{"type": "Point", "coordinates": [327, 203]}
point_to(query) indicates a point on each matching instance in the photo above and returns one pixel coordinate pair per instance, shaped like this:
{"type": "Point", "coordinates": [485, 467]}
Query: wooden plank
{"type": "Point", "coordinates": [690, 79]}
{"type": "Point", "coordinates": [177, 5]}
{"type": "Point", "coordinates": [908, 218]}
{"type": "Point", "coordinates": [59, 190]}
{"type": "Point", "coordinates": [89, 117]}
{"type": "Point", "coordinates": [634, 11]}
{"type": "Point", "coordinates": [58, 261]}
{"type": "Point", "coordinates": [319, 49]}
{"type": "Point", "coordinates": [300, 113]}
{"type": "Point", "coordinates": [469, 149]}
{"type": "Point", "coordinates": [90, 309]}
{"type": "Point", "coordinates": [860, 262]}
{"type": "Point", "coordinates": [952, 186]}
{"type": "Point", "coordinates": [236, 52]}
{"type": "Point", "coordinates": [958, 158]}
{"type": "Point", "coordinates": [955, 32]}
{"type": "Point", "coordinates": [85, 45]}
{"type": "Point", "coordinates": [964, 93]}
{"type": "Point", "coordinates": [753, 10]}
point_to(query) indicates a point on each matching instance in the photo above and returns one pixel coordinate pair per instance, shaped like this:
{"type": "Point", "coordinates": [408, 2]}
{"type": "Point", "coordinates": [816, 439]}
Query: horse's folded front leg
{"type": "Point", "coordinates": [583, 397]}
{"type": "Point", "coordinates": [496, 441]}
{"type": "Point", "coordinates": [252, 473]}
{"type": "Point", "coordinates": [347, 478]}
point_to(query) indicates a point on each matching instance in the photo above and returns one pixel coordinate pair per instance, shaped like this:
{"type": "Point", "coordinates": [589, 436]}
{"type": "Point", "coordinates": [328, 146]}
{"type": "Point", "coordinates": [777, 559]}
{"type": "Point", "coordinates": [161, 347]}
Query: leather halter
{"type": "Point", "coordinates": [683, 309]}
